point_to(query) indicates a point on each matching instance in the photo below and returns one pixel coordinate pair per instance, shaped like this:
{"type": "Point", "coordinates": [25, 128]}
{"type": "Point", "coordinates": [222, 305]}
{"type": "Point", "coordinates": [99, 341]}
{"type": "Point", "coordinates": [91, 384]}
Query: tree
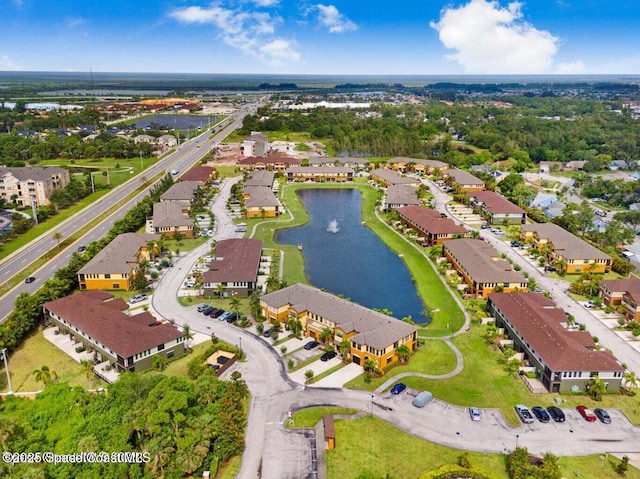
{"type": "Point", "coordinates": [188, 335]}
{"type": "Point", "coordinates": [403, 353]}
{"type": "Point", "coordinates": [220, 289]}
{"type": "Point", "coordinates": [295, 326]}
{"type": "Point", "coordinates": [631, 381]}
{"type": "Point", "coordinates": [370, 365]}
{"type": "Point", "coordinates": [159, 362]}
{"type": "Point", "coordinates": [596, 388]}
{"type": "Point", "coordinates": [57, 236]}
{"type": "Point", "coordinates": [326, 335]}
{"type": "Point", "coordinates": [234, 303]}
{"type": "Point", "coordinates": [43, 374]}
{"type": "Point", "coordinates": [623, 466]}
{"type": "Point", "coordinates": [631, 219]}
{"type": "Point", "coordinates": [86, 367]}
{"type": "Point", "coordinates": [344, 347]}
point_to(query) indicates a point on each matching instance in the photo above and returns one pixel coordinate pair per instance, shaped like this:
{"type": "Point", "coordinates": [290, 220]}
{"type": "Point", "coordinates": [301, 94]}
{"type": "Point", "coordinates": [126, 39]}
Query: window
{"type": "Point", "coordinates": [160, 347]}
{"type": "Point", "coordinates": [169, 354]}
{"type": "Point", "coordinates": [107, 276]}
{"type": "Point", "coordinates": [116, 286]}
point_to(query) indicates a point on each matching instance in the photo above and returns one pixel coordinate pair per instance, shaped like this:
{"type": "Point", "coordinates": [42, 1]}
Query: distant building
{"type": "Point", "coordinates": [400, 195]}
{"type": "Point", "coordinates": [234, 268]}
{"type": "Point", "coordinates": [387, 177]}
{"type": "Point", "coordinates": [320, 174]}
{"type": "Point", "coordinates": [257, 145]}
{"type": "Point", "coordinates": [499, 210]}
{"type": "Point", "coordinates": [430, 225]}
{"type": "Point", "coordinates": [577, 255]}
{"type": "Point", "coordinates": [275, 163]}
{"type": "Point", "coordinates": [465, 181]}
{"type": "Point", "coordinates": [626, 292]}
{"type": "Point", "coordinates": [31, 186]}
{"type": "Point", "coordinates": [418, 165]}
{"type": "Point", "coordinates": [170, 219]}
{"type": "Point", "coordinates": [115, 267]}
{"type": "Point", "coordinates": [481, 268]}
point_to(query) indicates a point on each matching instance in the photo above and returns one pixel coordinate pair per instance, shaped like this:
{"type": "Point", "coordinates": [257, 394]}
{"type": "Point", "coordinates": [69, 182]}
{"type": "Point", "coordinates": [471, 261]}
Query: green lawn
{"type": "Point", "coordinates": [35, 352]}
{"type": "Point", "coordinates": [227, 171]}
{"type": "Point", "coordinates": [311, 416]}
{"type": "Point", "coordinates": [372, 447]}
{"type": "Point", "coordinates": [436, 357]}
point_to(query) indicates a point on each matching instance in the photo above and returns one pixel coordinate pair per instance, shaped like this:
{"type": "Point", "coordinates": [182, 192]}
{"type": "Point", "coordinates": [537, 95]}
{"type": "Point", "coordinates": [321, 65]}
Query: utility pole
{"type": "Point", "coordinates": [3, 352]}
{"type": "Point", "coordinates": [33, 210]}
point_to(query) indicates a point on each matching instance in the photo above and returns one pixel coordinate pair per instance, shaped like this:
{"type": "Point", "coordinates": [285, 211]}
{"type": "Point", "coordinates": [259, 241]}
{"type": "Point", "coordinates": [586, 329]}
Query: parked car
{"type": "Point", "coordinates": [524, 413]}
{"type": "Point", "coordinates": [215, 313]}
{"type": "Point", "coordinates": [267, 333]}
{"type": "Point", "coordinates": [231, 318]}
{"type": "Point", "coordinates": [328, 355]}
{"type": "Point", "coordinates": [515, 244]}
{"type": "Point", "coordinates": [311, 344]}
{"type": "Point", "coordinates": [485, 227]}
{"type": "Point", "coordinates": [474, 412]}
{"type": "Point", "coordinates": [201, 307]}
{"type": "Point", "coordinates": [589, 304]}
{"type": "Point", "coordinates": [587, 413]}
{"type": "Point", "coordinates": [556, 414]}
{"type": "Point", "coordinates": [224, 316]}
{"type": "Point", "coordinates": [398, 388]}
{"type": "Point", "coordinates": [137, 298]}
{"type": "Point", "coordinates": [602, 415]}
{"type": "Point", "coordinates": [30, 279]}
{"type": "Point", "coordinates": [422, 399]}
{"type": "Point", "coordinates": [540, 413]}
{"type": "Point", "coordinates": [207, 311]}
{"type": "Point", "coordinates": [549, 269]}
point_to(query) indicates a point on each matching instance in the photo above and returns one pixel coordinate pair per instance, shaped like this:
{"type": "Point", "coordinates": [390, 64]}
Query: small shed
{"type": "Point", "coordinates": [329, 431]}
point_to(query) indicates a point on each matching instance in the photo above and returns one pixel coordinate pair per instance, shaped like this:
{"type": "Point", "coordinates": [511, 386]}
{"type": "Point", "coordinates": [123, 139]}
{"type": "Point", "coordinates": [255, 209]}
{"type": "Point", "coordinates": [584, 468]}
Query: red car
{"type": "Point", "coordinates": [587, 413]}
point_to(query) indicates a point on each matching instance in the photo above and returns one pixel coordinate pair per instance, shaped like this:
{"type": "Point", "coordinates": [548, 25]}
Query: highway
{"type": "Point", "coordinates": [185, 156]}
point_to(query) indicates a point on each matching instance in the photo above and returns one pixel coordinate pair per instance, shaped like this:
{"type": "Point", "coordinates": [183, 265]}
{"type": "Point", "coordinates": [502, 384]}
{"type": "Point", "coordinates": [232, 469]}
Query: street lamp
{"type": "Point", "coordinates": [372, 396]}
{"type": "Point", "coordinates": [517, 436]}
{"type": "Point", "coordinates": [3, 352]}
{"type": "Point", "coordinates": [240, 339]}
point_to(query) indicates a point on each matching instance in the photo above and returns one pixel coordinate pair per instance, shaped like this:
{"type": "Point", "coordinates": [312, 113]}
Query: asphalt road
{"type": "Point", "coordinates": [186, 155]}
{"type": "Point", "coordinates": [271, 451]}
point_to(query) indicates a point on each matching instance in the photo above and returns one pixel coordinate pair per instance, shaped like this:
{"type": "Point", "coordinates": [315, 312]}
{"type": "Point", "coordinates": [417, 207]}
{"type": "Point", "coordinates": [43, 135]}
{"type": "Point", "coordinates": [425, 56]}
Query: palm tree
{"type": "Point", "coordinates": [344, 347]}
{"type": "Point", "coordinates": [220, 289]}
{"type": "Point", "coordinates": [86, 367]}
{"type": "Point", "coordinates": [474, 234]}
{"type": "Point", "coordinates": [188, 335]}
{"type": "Point", "coordinates": [596, 388]}
{"type": "Point", "coordinates": [631, 381]}
{"type": "Point", "coordinates": [234, 303]}
{"type": "Point", "coordinates": [403, 353]}
{"type": "Point", "coordinates": [326, 335]}
{"type": "Point", "coordinates": [57, 236]}
{"type": "Point", "coordinates": [153, 249]}
{"type": "Point", "coordinates": [43, 374]}
{"type": "Point", "coordinates": [369, 365]}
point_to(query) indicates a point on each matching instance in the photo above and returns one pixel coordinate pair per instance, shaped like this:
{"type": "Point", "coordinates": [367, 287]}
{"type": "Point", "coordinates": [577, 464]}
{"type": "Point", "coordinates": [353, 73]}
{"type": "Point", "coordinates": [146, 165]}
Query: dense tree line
{"type": "Point", "coordinates": [27, 312]}
{"type": "Point", "coordinates": [183, 426]}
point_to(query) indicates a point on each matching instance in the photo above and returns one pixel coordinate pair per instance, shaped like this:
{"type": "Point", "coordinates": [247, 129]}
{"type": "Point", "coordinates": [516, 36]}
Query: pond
{"type": "Point", "coordinates": [345, 257]}
{"type": "Point", "coordinates": [175, 122]}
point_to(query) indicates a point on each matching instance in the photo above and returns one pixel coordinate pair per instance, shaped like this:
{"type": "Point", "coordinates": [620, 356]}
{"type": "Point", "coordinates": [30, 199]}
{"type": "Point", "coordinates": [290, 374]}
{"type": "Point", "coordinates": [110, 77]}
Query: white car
{"type": "Point", "coordinates": [137, 298]}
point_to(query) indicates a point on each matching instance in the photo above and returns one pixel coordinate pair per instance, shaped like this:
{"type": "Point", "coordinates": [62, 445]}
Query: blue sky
{"type": "Point", "coordinates": [333, 37]}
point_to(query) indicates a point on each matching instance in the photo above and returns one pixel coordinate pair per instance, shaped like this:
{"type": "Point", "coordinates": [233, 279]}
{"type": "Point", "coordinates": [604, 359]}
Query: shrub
{"type": "Point", "coordinates": [309, 374]}
{"type": "Point", "coordinates": [291, 363]}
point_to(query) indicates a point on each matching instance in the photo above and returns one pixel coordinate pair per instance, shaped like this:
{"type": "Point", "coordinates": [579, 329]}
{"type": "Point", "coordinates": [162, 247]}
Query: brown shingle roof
{"type": "Point", "coordinates": [35, 173]}
{"type": "Point", "coordinates": [106, 323]}
{"type": "Point", "coordinates": [374, 329]}
{"type": "Point", "coordinates": [428, 163]}
{"type": "Point", "coordinates": [495, 203]}
{"type": "Point", "coordinates": [119, 256]}
{"type": "Point", "coordinates": [564, 243]}
{"type": "Point", "coordinates": [182, 191]}
{"type": "Point", "coordinates": [402, 195]}
{"type": "Point", "coordinates": [464, 178]}
{"type": "Point", "coordinates": [169, 214]}
{"type": "Point", "coordinates": [630, 286]}
{"type": "Point", "coordinates": [236, 260]}
{"type": "Point", "coordinates": [481, 262]}
{"type": "Point", "coordinates": [199, 174]}
{"type": "Point", "coordinates": [393, 178]}
{"type": "Point", "coordinates": [429, 220]}
{"type": "Point", "coordinates": [259, 196]}
{"type": "Point", "coordinates": [539, 322]}
{"type": "Point", "coordinates": [260, 178]}
{"type": "Point", "coordinates": [252, 160]}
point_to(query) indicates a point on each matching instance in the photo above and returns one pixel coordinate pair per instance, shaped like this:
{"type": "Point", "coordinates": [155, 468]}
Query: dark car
{"type": "Point", "coordinates": [515, 244]}
{"type": "Point", "coordinates": [328, 355]}
{"type": "Point", "coordinates": [232, 317]}
{"type": "Point", "coordinates": [549, 269]}
{"type": "Point", "coordinates": [267, 333]}
{"type": "Point", "coordinates": [30, 279]}
{"type": "Point", "coordinates": [311, 345]}
{"type": "Point", "coordinates": [540, 413]}
{"type": "Point", "coordinates": [216, 312]}
{"type": "Point", "coordinates": [602, 415]}
{"type": "Point", "coordinates": [398, 388]}
{"type": "Point", "coordinates": [81, 249]}
{"type": "Point", "coordinates": [556, 413]}
{"type": "Point", "coordinates": [207, 310]}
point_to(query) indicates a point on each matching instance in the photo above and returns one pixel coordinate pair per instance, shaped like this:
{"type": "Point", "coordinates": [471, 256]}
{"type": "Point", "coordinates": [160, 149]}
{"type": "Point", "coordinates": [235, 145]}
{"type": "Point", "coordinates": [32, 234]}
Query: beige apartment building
{"type": "Point", "coordinates": [31, 186]}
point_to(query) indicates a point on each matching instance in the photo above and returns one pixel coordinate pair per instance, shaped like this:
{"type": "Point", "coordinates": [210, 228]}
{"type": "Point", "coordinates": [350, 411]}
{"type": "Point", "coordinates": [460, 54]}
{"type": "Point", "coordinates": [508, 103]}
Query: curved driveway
{"type": "Point", "coordinates": [273, 452]}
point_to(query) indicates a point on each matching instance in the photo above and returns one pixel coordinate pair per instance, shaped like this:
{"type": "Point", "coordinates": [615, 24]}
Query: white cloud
{"type": "Point", "coordinates": [488, 38]}
{"type": "Point", "coordinates": [72, 22]}
{"type": "Point", "coordinates": [252, 32]}
{"type": "Point", "coordinates": [265, 3]}
{"type": "Point", "coordinates": [336, 22]}
{"type": "Point", "coordinates": [570, 68]}
{"type": "Point", "coordinates": [7, 64]}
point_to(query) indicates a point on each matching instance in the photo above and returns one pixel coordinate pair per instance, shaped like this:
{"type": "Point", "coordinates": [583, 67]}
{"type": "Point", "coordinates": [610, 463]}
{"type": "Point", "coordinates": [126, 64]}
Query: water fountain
{"type": "Point", "coordinates": [333, 226]}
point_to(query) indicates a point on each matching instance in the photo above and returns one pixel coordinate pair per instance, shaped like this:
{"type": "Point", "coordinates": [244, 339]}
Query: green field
{"type": "Point", "coordinates": [373, 448]}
